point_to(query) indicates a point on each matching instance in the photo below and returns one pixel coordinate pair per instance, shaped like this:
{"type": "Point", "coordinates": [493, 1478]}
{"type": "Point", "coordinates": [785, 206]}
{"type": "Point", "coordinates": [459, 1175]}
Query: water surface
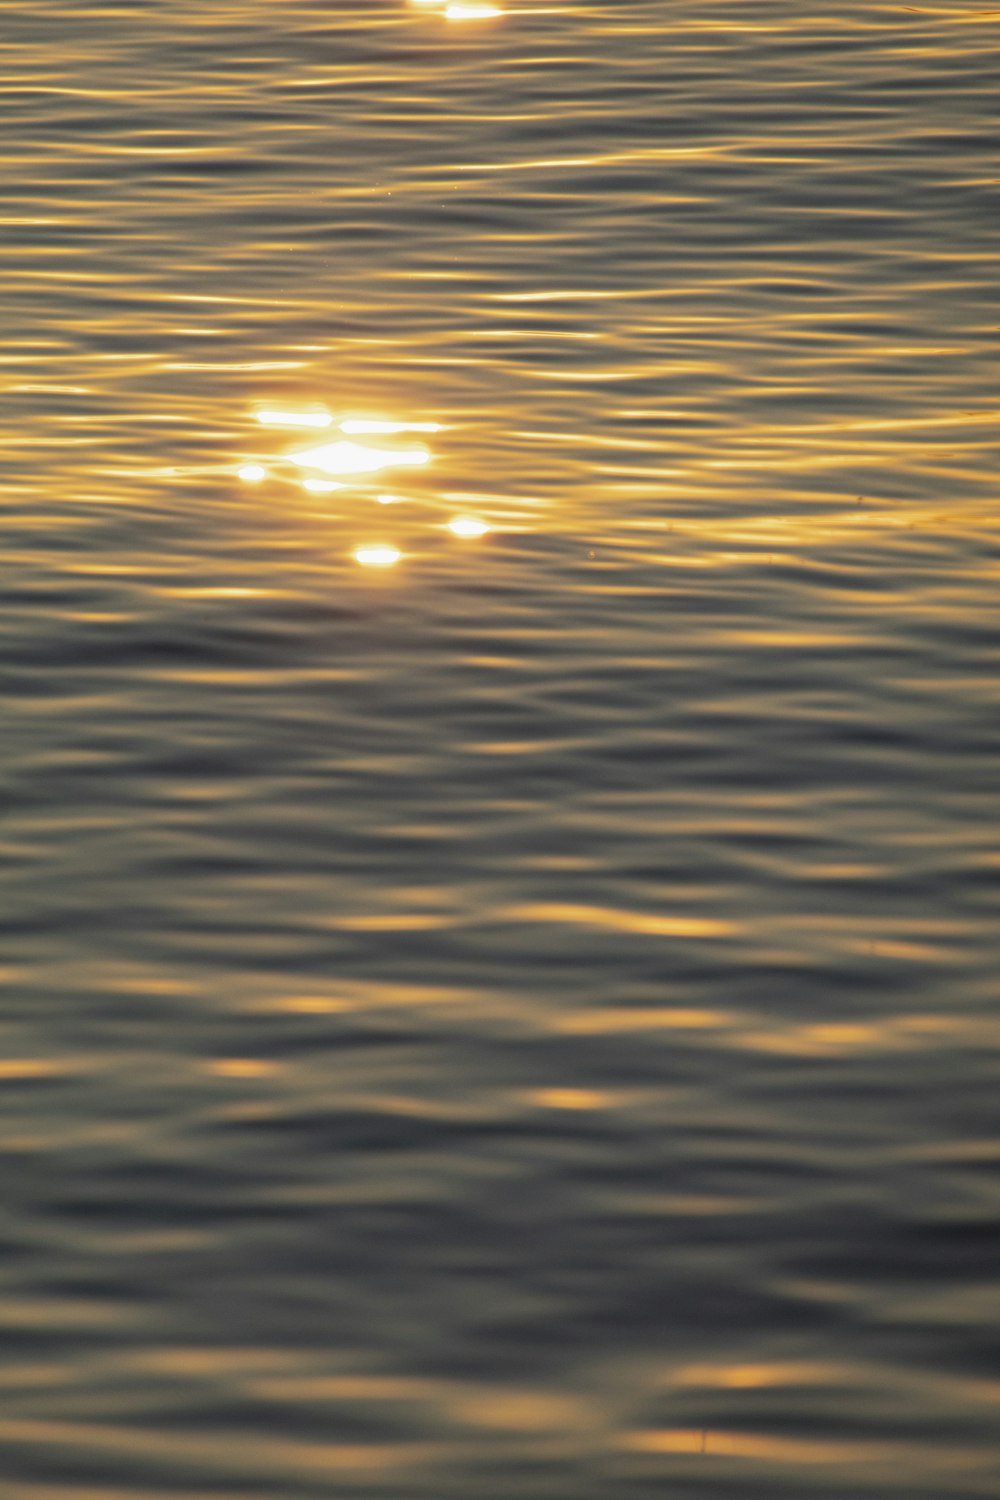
{"type": "Point", "coordinates": [499, 642]}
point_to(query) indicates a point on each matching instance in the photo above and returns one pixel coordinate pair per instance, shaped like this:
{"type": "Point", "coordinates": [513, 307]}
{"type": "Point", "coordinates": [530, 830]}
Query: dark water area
{"type": "Point", "coordinates": [499, 648]}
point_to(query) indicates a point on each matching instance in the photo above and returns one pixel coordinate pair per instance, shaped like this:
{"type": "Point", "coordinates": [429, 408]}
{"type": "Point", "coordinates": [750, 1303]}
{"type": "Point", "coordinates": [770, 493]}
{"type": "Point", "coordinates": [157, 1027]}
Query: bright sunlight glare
{"type": "Point", "coordinates": [468, 526]}
{"type": "Point", "coordinates": [459, 10]}
{"type": "Point", "coordinates": [462, 10]}
{"type": "Point", "coordinates": [252, 473]}
{"type": "Point", "coordinates": [353, 458]}
{"type": "Point", "coordinates": [355, 426]}
{"type": "Point", "coordinates": [379, 556]}
{"type": "Point", "coordinates": [294, 418]}
{"type": "Point", "coordinates": [321, 486]}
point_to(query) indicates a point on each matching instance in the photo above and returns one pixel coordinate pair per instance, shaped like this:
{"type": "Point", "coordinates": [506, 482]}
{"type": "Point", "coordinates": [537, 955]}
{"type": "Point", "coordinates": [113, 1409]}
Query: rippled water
{"type": "Point", "coordinates": [500, 734]}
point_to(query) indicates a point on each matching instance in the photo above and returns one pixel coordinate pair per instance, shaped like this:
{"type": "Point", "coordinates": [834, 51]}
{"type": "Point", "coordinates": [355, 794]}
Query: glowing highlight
{"type": "Point", "coordinates": [354, 458]}
{"type": "Point", "coordinates": [379, 556]}
{"type": "Point", "coordinates": [321, 486]}
{"type": "Point", "coordinates": [468, 526]}
{"type": "Point", "coordinates": [294, 418]}
{"type": "Point", "coordinates": [358, 426]}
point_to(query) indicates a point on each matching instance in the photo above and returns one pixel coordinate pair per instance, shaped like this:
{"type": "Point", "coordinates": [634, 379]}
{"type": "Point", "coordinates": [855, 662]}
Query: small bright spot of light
{"type": "Point", "coordinates": [387, 499]}
{"type": "Point", "coordinates": [377, 557]}
{"type": "Point", "coordinates": [294, 418]}
{"type": "Point", "coordinates": [321, 486]}
{"type": "Point", "coordinates": [468, 526]}
{"type": "Point", "coordinates": [252, 473]}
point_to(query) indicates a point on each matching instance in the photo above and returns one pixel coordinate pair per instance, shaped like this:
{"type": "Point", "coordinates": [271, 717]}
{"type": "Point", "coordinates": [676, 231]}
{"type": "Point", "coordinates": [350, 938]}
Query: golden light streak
{"type": "Point", "coordinates": [468, 526]}
{"type": "Point", "coordinates": [354, 458]}
{"type": "Point", "coordinates": [573, 1099]}
{"type": "Point", "coordinates": [460, 10]}
{"type": "Point", "coordinates": [293, 418]}
{"type": "Point", "coordinates": [378, 556]}
{"type": "Point", "coordinates": [782, 1450]}
{"type": "Point", "coordinates": [257, 1452]}
{"type": "Point", "coordinates": [321, 486]}
{"type": "Point", "coordinates": [37, 1067]}
{"type": "Point", "coordinates": [240, 1067]}
{"type": "Point", "coordinates": [644, 1018]}
{"type": "Point", "coordinates": [357, 426]}
{"type": "Point", "coordinates": [613, 919]}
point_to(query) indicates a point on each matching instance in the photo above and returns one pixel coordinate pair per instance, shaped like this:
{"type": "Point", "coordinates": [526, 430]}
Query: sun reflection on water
{"type": "Point", "coordinates": [468, 526]}
{"type": "Point", "coordinates": [379, 556]}
{"type": "Point", "coordinates": [459, 10]}
{"type": "Point", "coordinates": [321, 486]}
{"type": "Point", "coordinates": [357, 426]}
{"type": "Point", "coordinates": [346, 464]}
{"type": "Point", "coordinates": [270, 418]}
{"type": "Point", "coordinates": [354, 458]}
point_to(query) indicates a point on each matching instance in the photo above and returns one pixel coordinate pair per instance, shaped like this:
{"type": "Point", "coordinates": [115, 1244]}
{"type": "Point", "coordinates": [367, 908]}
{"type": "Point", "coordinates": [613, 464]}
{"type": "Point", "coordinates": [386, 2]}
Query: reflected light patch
{"type": "Point", "coordinates": [252, 473]}
{"type": "Point", "coordinates": [321, 486]}
{"type": "Point", "coordinates": [573, 1099]}
{"type": "Point", "coordinates": [468, 526]}
{"type": "Point", "coordinates": [387, 499]}
{"type": "Point", "coordinates": [240, 1067]}
{"type": "Point", "coordinates": [359, 426]}
{"type": "Point", "coordinates": [354, 458]}
{"type": "Point", "coordinates": [294, 418]}
{"type": "Point", "coordinates": [377, 557]}
{"type": "Point", "coordinates": [459, 10]}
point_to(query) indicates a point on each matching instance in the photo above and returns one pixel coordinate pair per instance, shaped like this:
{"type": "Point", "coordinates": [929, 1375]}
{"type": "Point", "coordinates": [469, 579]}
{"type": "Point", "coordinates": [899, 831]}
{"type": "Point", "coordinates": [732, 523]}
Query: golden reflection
{"type": "Point", "coordinates": [257, 1453]}
{"type": "Point", "coordinates": [769, 1449]}
{"type": "Point", "coordinates": [352, 461]}
{"type": "Point", "coordinates": [301, 1388]}
{"type": "Point", "coordinates": [39, 1067]}
{"type": "Point", "coordinates": [460, 10]}
{"type": "Point", "coordinates": [240, 1067]}
{"type": "Point", "coordinates": [611, 919]}
{"type": "Point", "coordinates": [378, 556]}
{"type": "Point", "coordinates": [355, 458]}
{"type": "Point", "coordinates": [294, 418]}
{"type": "Point", "coordinates": [65, 1313]}
{"type": "Point", "coordinates": [470, 10]}
{"type": "Point", "coordinates": [758, 1376]}
{"type": "Point", "coordinates": [521, 1411]}
{"type": "Point", "coordinates": [573, 1099]}
{"type": "Point", "coordinates": [468, 526]}
{"type": "Point", "coordinates": [685, 1205]}
{"type": "Point", "coordinates": [633, 1018]}
{"type": "Point", "coordinates": [321, 486]}
{"type": "Point", "coordinates": [358, 426]}
{"type": "Point", "coordinates": [315, 1004]}
{"type": "Point", "coordinates": [782, 1450]}
{"type": "Point", "coordinates": [344, 457]}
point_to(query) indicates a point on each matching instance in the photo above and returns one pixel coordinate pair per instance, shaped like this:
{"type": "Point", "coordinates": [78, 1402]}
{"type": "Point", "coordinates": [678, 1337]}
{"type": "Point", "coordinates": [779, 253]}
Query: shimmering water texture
{"type": "Point", "coordinates": [500, 740]}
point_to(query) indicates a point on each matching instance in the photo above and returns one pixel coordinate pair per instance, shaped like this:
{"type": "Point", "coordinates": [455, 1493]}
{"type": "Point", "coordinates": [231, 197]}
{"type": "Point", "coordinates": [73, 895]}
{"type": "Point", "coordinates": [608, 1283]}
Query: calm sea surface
{"type": "Point", "coordinates": [501, 750]}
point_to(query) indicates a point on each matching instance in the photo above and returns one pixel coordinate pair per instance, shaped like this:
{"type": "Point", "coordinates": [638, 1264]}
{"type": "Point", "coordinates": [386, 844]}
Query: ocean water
{"type": "Point", "coordinates": [500, 729]}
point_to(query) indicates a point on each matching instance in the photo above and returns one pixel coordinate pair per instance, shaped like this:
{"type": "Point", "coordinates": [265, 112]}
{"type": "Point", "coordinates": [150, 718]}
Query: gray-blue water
{"type": "Point", "coordinates": [500, 732]}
